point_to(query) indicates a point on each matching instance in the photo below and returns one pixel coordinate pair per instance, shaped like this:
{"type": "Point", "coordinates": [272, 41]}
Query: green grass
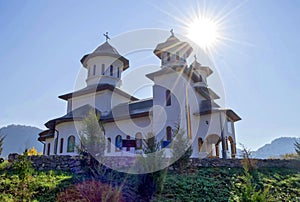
{"type": "Point", "coordinates": [41, 186]}
{"type": "Point", "coordinates": [215, 184]}
{"type": "Point", "coordinates": [205, 184]}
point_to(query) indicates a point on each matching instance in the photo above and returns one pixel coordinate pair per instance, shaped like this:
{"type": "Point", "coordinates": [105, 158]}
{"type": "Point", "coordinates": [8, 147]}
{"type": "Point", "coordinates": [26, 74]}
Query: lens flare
{"type": "Point", "coordinates": [204, 32]}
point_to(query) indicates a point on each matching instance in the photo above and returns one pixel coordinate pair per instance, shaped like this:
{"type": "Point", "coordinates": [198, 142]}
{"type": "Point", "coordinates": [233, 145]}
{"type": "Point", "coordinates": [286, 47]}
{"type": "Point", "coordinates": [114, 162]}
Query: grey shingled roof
{"type": "Point", "coordinates": [122, 111]}
{"type": "Point", "coordinates": [76, 114]}
{"type": "Point", "coordinates": [208, 93]}
{"type": "Point", "coordinates": [126, 110]}
{"type": "Point", "coordinates": [94, 89]}
{"type": "Point", "coordinates": [197, 65]}
{"type": "Point", "coordinates": [207, 105]}
{"type": "Point", "coordinates": [105, 49]}
{"type": "Point", "coordinates": [172, 43]}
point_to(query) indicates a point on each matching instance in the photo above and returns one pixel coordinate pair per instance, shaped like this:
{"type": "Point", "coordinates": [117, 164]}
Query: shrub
{"type": "Point", "coordinates": [90, 191]}
{"type": "Point", "coordinates": [181, 150]}
{"type": "Point", "coordinates": [1, 143]}
{"type": "Point", "coordinates": [245, 189]}
{"type": "Point", "coordinates": [24, 171]}
{"type": "Point", "coordinates": [33, 152]}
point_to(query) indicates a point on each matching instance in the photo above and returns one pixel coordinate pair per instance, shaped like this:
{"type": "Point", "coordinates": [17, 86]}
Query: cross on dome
{"type": "Point", "coordinates": [172, 32]}
{"type": "Point", "coordinates": [106, 36]}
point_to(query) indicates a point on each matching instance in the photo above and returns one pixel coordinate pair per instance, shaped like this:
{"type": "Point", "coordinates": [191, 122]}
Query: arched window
{"type": "Point", "coordinates": [200, 78]}
{"type": "Point", "coordinates": [71, 144]}
{"type": "Point", "coordinates": [200, 144]}
{"type": "Point", "coordinates": [108, 145]}
{"type": "Point", "coordinates": [89, 71]}
{"type": "Point", "coordinates": [168, 56]}
{"type": "Point", "coordinates": [61, 145]}
{"type": "Point", "coordinates": [55, 145]}
{"type": "Point", "coordinates": [94, 70]}
{"type": "Point", "coordinates": [128, 138]}
{"type": "Point", "coordinates": [111, 70]}
{"type": "Point", "coordinates": [139, 141]}
{"type": "Point", "coordinates": [177, 55]}
{"type": "Point", "coordinates": [118, 143]}
{"type": "Point", "coordinates": [48, 149]}
{"type": "Point", "coordinates": [169, 133]}
{"type": "Point", "coordinates": [164, 57]}
{"type": "Point", "coordinates": [232, 146]}
{"type": "Point", "coordinates": [226, 143]}
{"type": "Point", "coordinates": [118, 72]}
{"type": "Point", "coordinates": [168, 97]}
{"type": "Point", "coordinates": [103, 69]}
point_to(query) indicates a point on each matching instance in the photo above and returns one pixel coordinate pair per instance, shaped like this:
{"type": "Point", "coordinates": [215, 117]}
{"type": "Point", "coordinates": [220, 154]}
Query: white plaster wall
{"type": "Point", "coordinates": [102, 100]}
{"type": "Point", "coordinates": [129, 127]}
{"type": "Point", "coordinates": [107, 61]}
{"type": "Point", "coordinates": [65, 130]}
{"type": "Point", "coordinates": [213, 127]}
{"type": "Point", "coordinates": [177, 111]}
{"type": "Point", "coordinates": [51, 141]}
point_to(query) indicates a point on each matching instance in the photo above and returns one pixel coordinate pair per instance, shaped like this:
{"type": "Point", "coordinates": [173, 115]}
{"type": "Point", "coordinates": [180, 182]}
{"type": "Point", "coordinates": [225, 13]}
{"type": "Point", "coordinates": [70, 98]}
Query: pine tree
{"type": "Point", "coordinates": [92, 135]}
{"type": "Point", "coordinates": [181, 149]}
{"type": "Point", "coordinates": [153, 161]}
{"type": "Point", "coordinates": [1, 143]}
{"type": "Point", "coordinates": [297, 147]}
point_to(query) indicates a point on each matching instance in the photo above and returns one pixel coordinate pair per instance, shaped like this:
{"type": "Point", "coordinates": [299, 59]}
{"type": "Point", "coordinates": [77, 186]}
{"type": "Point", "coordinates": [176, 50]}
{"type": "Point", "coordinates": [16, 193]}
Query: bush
{"type": "Point", "coordinates": [90, 191]}
{"type": "Point", "coordinates": [181, 150]}
{"type": "Point", "coordinates": [246, 188]}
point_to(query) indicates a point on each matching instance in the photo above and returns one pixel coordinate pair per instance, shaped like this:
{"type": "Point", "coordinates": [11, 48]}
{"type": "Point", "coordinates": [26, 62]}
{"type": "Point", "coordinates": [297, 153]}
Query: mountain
{"type": "Point", "coordinates": [18, 138]}
{"type": "Point", "coordinates": [277, 148]}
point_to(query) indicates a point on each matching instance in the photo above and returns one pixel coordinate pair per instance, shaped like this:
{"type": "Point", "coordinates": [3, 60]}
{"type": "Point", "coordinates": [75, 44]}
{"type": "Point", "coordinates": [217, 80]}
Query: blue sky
{"type": "Point", "coordinates": [41, 43]}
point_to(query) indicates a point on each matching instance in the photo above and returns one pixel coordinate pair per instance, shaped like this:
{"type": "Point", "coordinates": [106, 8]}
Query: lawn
{"type": "Point", "coordinates": [205, 184]}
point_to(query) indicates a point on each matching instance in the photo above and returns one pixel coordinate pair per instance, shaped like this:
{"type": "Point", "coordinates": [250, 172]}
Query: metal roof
{"type": "Point", "coordinates": [76, 114]}
{"type": "Point", "coordinates": [197, 65]}
{"type": "Point", "coordinates": [129, 110]}
{"type": "Point", "coordinates": [121, 111]}
{"type": "Point", "coordinates": [94, 89]}
{"type": "Point", "coordinates": [206, 92]}
{"type": "Point", "coordinates": [172, 43]}
{"type": "Point", "coordinates": [229, 113]}
{"type": "Point", "coordinates": [105, 49]}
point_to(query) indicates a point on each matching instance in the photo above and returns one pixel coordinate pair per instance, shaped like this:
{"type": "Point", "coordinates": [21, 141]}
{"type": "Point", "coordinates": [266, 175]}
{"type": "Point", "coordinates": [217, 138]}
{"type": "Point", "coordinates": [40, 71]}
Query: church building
{"type": "Point", "coordinates": [181, 96]}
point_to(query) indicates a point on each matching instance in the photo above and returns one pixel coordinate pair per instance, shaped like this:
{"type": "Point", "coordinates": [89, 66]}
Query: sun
{"type": "Point", "coordinates": [204, 32]}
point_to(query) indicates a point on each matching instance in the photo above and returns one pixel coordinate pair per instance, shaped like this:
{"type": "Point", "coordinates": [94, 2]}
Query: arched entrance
{"type": "Point", "coordinates": [213, 145]}
{"type": "Point", "coordinates": [232, 147]}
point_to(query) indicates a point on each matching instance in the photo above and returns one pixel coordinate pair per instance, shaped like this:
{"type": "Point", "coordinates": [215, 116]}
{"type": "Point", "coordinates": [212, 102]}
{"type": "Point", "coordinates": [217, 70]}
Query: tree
{"type": "Point", "coordinates": [245, 188]}
{"type": "Point", "coordinates": [1, 143]}
{"type": "Point", "coordinates": [33, 152]}
{"type": "Point", "coordinates": [181, 149]}
{"type": "Point", "coordinates": [153, 162]}
{"type": "Point", "coordinates": [297, 148]}
{"type": "Point", "coordinates": [92, 135]}
{"type": "Point", "coordinates": [153, 157]}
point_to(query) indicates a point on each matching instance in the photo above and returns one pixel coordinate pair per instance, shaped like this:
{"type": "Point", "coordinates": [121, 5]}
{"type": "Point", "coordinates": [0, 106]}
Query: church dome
{"type": "Point", "coordinates": [172, 44]}
{"type": "Point", "coordinates": [196, 65]}
{"type": "Point", "coordinates": [105, 49]}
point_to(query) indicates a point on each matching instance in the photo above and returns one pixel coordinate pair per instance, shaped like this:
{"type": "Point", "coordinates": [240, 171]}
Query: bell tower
{"type": "Point", "coordinates": [173, 52]}
{"type": "Point", "coordinates": [202, 72]}
{"type": "Point", "coordinates": [105, 65]}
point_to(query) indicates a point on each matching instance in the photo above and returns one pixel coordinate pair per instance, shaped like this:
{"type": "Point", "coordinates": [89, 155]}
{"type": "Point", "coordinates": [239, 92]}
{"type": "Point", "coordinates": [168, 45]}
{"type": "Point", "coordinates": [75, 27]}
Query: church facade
{"type": "Point", "coordinates": [181, 97]}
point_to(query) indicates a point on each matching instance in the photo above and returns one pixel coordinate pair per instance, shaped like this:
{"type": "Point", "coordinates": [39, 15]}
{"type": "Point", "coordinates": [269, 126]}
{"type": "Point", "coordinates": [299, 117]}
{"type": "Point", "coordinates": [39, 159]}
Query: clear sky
{"type": "Point", "coordinates": [41, 43]}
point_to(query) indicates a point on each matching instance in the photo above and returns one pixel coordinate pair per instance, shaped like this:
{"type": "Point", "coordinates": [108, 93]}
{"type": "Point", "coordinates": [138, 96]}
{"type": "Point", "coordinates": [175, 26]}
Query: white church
{"type": "Point", "coordinates": [180, 96]}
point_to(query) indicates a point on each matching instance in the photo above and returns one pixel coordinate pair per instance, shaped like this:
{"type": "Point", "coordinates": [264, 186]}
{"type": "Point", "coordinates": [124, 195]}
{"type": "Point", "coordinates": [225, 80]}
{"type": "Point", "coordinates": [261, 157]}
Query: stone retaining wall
{"type": "Point", "coordinates": [76, 164]}
{"type": "Point", "coordinates": [237, 163]}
